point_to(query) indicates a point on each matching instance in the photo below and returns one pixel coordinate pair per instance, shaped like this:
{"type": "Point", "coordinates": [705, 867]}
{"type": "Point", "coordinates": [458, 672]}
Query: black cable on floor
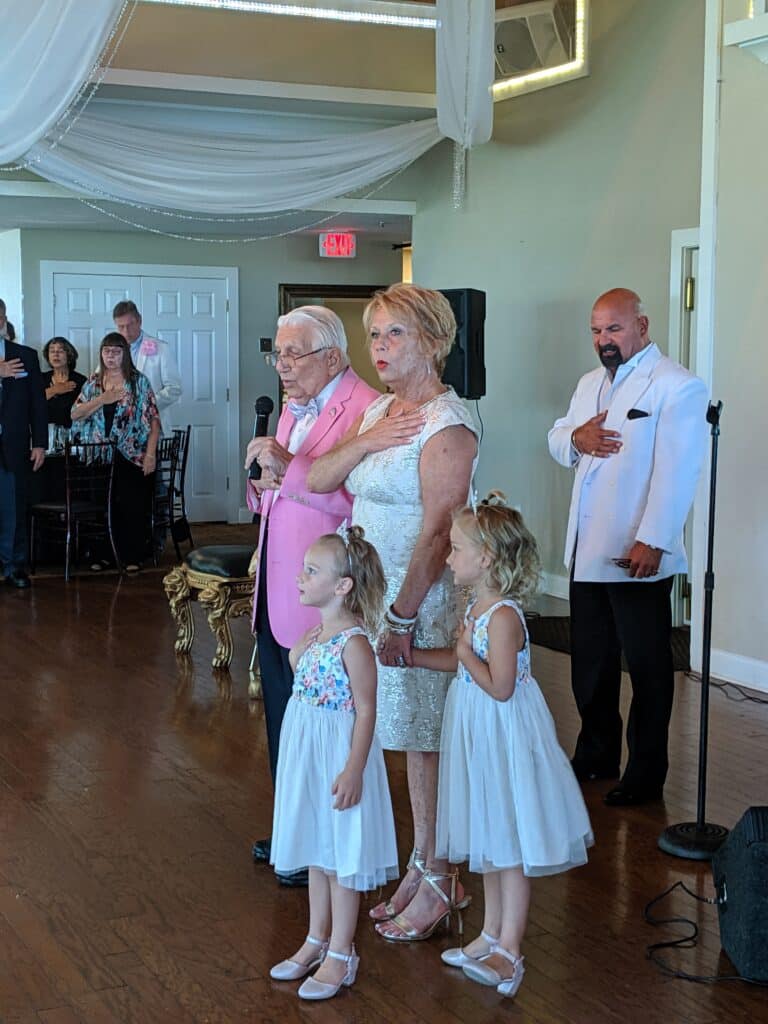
{"type": "Point", "coordinates": [685, 941]}
{"type": "Point", "coordinates": [726, 689]}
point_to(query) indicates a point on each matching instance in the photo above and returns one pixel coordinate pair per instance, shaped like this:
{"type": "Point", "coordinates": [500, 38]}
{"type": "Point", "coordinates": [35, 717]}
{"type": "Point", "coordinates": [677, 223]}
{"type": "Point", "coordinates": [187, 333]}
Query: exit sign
{"type": "Point", "coordinates": [338, 245]}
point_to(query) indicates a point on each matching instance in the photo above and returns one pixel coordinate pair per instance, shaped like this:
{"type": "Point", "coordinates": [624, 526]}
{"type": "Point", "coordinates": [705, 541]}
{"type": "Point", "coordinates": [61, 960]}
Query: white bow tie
{"type": "Point", "coordinates": [300, 411]}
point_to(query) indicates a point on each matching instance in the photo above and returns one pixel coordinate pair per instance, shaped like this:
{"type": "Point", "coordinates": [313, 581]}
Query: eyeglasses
{"type": "Point", "coordinates": [273, 358]}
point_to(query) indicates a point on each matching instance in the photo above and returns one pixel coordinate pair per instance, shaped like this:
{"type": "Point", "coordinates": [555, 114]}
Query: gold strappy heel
{"type": "Point", "coordinates": [385, 911]}
{"type": "Point", "coordinates": [450, 905]}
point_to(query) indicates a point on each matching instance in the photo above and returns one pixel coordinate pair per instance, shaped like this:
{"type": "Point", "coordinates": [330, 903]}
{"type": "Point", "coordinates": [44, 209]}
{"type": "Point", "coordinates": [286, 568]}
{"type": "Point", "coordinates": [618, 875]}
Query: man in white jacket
{"type": "Point", "coordinates": [635, 432]}
{"type": "Point", "coordinates": [152, 357]}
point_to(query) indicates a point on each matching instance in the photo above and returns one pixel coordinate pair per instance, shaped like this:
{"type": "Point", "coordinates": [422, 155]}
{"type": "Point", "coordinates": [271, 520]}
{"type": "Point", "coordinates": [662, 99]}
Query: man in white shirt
{"type": "Point", "coordinates": [152, 357]}
{"type": "Point", "coordinates": [635, 432]}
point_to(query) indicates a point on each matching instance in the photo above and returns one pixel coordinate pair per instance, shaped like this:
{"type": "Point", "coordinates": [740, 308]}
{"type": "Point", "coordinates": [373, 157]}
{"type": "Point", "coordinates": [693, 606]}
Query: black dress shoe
{"type": "Point", "coordinates": [261, 850]}
{"type": "Point", "coordinates": [630, 796]}
{"type": "Point", "coordinates": [589, 773]}
{"type": "Point", "coordinates": [293, 879]}
{"type": "Point", "coordinates": [18, 579]}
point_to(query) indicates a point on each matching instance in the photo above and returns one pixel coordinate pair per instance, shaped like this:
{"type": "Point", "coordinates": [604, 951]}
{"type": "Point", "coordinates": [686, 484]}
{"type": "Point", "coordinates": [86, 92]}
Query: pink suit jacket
{"type": "Point", "coordinates": [296, 517]}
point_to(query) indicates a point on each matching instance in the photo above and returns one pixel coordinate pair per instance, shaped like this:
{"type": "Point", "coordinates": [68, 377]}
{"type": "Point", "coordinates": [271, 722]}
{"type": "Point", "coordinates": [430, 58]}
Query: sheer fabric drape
{"type": "Point", "coordinates": [220, 172]}
{"type": "Point", "coordinates": [49, 50]}
{"type": "Point", "coordinates": [464, 59]}
{"type": "Point", "coordinates": [53, 46]}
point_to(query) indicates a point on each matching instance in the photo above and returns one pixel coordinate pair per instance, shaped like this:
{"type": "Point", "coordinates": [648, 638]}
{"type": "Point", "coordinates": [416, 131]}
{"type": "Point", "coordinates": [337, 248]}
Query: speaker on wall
{"type": "Point", "coordinates": [465, 366]}
{"type": "Point", "coordinates": [740, 873]}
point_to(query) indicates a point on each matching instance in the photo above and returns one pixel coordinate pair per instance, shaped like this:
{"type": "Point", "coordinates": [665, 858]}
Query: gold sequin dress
{"type": "Point", "coordinates": [387, 503]}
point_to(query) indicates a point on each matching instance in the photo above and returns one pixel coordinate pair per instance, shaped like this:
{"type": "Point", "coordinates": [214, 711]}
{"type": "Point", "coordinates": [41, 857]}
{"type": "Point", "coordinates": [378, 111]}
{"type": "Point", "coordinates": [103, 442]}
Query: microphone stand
{"type": "Point", "coordinates": [698, 840]}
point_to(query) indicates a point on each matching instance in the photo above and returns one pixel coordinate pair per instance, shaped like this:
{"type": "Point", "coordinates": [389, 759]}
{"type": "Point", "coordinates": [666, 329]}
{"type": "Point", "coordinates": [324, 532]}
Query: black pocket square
{"type": "Point", "coordinates": [636, 414]}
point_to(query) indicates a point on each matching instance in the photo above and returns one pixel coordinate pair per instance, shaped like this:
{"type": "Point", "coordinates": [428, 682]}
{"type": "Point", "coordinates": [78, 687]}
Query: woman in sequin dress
{"type": "Point", "coordinates": [408, 462]}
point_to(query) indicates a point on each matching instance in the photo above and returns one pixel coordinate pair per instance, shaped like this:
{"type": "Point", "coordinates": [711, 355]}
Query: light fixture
{"type": "Point", "coordinates": [354, 11]}
{"type": "Point", "coordinates": [505, 88]}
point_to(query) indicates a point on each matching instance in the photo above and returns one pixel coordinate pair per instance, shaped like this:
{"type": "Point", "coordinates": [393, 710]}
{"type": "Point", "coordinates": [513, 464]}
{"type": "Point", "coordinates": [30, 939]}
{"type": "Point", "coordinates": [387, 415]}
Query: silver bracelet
{"type": "Point", "coordinates": [398, 628]}
{"type": "Point", "coordinates": [400, 620]}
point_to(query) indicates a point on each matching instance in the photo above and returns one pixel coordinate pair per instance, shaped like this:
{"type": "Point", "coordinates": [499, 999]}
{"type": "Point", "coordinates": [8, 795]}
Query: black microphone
{"type": "Point", "coordinates": [264, 407]}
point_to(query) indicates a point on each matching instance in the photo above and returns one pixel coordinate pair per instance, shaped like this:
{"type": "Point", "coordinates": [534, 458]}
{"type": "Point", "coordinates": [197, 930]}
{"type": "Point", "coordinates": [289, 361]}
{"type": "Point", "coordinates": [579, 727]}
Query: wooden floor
{"type": "Point", "coordinates": [131, 787]}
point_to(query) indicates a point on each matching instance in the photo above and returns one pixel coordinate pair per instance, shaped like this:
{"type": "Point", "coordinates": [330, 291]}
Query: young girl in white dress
{"type": "Point", "coordinates": [508, 801]}
{"type": "Point", "coordinates": [333, 811]}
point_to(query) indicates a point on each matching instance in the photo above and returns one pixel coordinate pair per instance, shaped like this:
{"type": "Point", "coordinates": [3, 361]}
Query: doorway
{"type": "Point", "coordinates": [684, 262]}
{"type": "Point", "coordinates": [348, 302]}
{"type": "Point", "coordinates": [194, 310]}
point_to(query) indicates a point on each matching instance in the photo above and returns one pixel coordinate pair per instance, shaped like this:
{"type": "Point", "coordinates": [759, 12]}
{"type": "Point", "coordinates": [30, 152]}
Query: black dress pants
{"type": "Point", "coordinates": [131, 510]}
{"type": "Point", "coordinates": [606, 619]}
{"type": "Point", "coordinates": [275, 668]}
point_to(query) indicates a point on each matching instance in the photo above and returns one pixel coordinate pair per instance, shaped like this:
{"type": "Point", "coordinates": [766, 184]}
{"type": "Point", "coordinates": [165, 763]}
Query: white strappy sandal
{"type": "Point", "coordinates": [486, 975]}
{"type": "Point", "coordinates": [313, 989]}
{"type": "Point", "coordinates": [292, 970]}
{"type": "Point", "coordinates": [457, 957]}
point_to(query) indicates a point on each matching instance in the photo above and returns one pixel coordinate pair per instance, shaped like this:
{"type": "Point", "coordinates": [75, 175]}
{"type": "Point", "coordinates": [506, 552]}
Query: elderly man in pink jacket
{"type": "Point", "coordinates": [325, 397]}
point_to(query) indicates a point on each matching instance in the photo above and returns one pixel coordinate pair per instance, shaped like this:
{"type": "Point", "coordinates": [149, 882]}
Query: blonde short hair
{"type": "Point", "coordinates": [426, 310]}
{"type": "Point", "coordinates": [515, 565]}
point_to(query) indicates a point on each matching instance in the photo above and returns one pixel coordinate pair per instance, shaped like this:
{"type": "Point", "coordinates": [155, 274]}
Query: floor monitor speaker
{"type": "Point", "coordinates": [740, 873]}
{"type": "Point", "coordinates": [465, 366]}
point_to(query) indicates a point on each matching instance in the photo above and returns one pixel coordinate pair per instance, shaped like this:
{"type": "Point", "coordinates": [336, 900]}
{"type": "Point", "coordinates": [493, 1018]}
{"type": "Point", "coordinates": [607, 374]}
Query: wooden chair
{"type": "Point", "coordinates": [166, 462]}
{"type": "Point", "coordinates": [86, 508]}
{"type": "Point", "coordinates": [220, 577]}
{"type": "Point", "coordinates": [180, 530]}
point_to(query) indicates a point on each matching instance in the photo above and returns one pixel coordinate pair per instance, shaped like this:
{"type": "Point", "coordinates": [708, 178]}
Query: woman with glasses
{"type": "Point", "coordinates": [408, 462]}
{"type": "Point", "coordinates": [117, 404]}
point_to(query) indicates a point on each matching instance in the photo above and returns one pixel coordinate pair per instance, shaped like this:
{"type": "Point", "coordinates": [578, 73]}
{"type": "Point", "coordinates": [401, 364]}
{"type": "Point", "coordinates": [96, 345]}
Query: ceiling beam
{"type": "Point", "coordinates": [279, 90]}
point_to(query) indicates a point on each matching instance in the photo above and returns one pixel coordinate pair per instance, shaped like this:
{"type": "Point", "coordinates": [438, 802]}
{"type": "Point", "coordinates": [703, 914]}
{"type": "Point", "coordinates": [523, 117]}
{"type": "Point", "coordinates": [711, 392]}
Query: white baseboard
{"type": "Point", "coordinates": [725, 665]}
{"type": "Point", "coordinates": [554, 585]}
{"type": "Point", "coordinates": [735, 668]}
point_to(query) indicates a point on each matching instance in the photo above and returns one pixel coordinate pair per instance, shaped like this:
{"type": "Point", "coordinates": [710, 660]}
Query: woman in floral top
{"type": "Point", "coordinates": [117, 404]}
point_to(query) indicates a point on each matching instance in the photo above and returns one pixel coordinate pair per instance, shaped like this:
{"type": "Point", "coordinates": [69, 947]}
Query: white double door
{"type": "Point", "coordinates": [191, 314]}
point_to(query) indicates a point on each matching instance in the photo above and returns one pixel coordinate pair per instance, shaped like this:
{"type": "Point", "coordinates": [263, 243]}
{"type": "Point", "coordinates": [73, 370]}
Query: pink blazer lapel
{"type": "Point", "coordinates": [331, 412]}
{"type": "Point", "coordinates": [284, 427]}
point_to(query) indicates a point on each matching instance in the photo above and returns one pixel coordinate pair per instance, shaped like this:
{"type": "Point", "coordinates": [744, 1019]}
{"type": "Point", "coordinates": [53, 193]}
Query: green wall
{"type": "Point", "coordinates": [577, 193]}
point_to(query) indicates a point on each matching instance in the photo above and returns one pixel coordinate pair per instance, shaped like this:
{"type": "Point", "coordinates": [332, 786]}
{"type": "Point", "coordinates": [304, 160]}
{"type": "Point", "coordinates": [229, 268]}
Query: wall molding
{"type": "Point", "coordinates": [554, 585]}
{"type": "Point", "coordinates": [729, 667]}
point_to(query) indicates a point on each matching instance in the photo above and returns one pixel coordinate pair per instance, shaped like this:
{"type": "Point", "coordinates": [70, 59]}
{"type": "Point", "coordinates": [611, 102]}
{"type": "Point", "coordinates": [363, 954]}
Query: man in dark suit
{"type": "Point", "coordinates": [23, 426]}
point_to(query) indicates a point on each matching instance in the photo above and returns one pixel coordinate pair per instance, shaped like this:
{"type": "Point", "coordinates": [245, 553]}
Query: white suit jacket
{"type": "Point", "coordinates": [157, 362]}
{"type": "Point", "coordinates": [645, 491]}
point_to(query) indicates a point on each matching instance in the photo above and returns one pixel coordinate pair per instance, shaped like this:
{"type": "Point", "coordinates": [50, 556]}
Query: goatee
{"type": "Point", "coordinates": [610, 357]}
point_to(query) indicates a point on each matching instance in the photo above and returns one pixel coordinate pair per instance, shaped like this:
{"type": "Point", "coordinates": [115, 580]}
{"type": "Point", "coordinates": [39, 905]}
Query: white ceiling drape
{"type": "Point", "coordinates": [216, 171]}
{"type": "Point", "coordinates": [464, 65]}
{"type": "Point", "coordinates": [52, 53]}
{"type": "Point", "coordinates": [50, 48]}
{"type": "Point", "coordinates": [464, 70]}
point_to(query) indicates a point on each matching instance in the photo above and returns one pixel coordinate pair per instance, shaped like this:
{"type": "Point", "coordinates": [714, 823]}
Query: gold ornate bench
{"type": "Point", "coordinates": [220, 579]}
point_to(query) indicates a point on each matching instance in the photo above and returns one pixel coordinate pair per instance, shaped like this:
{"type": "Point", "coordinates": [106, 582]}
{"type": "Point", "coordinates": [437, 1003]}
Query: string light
{"type": "Point", "coordinates": [239, 240]}
{"type": "Point", "coordinates": [301, 11]}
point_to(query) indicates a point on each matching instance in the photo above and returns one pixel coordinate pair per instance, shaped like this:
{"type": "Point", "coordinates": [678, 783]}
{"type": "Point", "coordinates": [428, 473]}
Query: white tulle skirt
{"type": "Point", "coordinates": [507, 794]}
{"type": "Point", "coordinates": [357, 845]}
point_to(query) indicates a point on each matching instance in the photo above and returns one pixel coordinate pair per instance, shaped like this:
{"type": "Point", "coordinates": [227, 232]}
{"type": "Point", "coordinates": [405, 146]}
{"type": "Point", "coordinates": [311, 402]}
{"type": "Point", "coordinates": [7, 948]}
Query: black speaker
{"type": "Point", "coordinates": [740, 873]}
{"type": "Point", "coordinates": [465, 366]}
